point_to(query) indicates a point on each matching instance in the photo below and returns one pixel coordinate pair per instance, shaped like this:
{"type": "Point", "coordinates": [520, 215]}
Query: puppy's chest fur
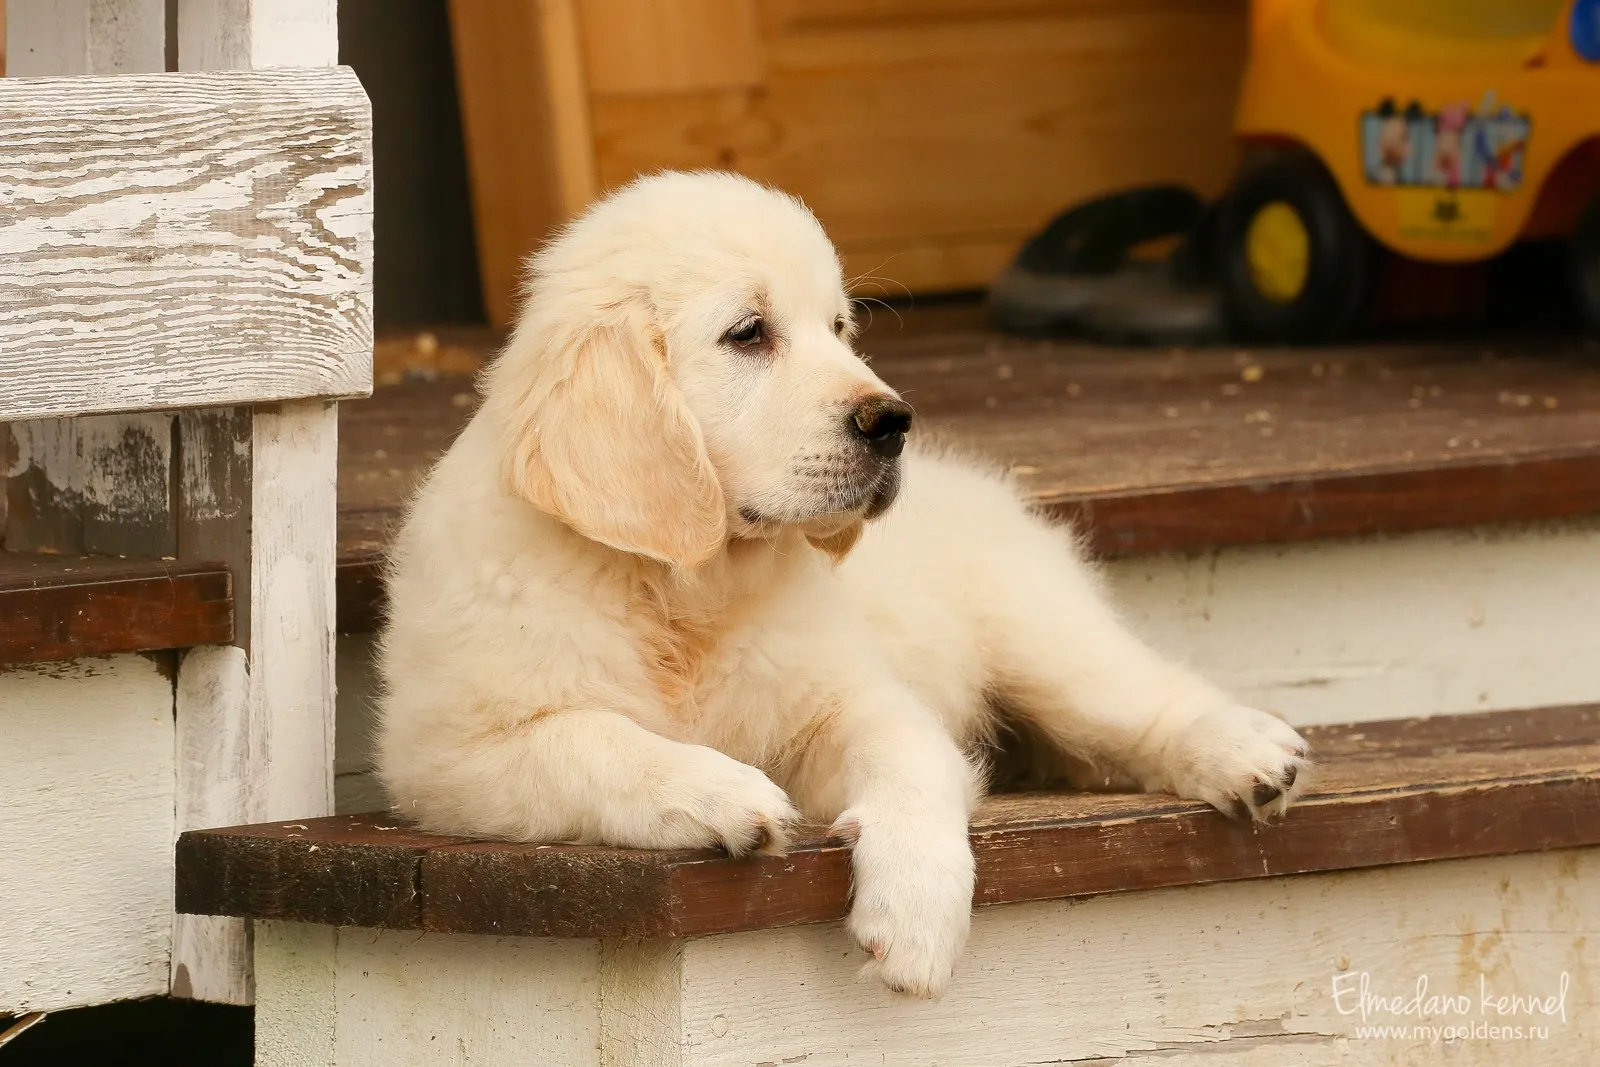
{"type": "Point", "coordinates": [689, 634]}
{"type": "Point", "coordinates": [675, 643]}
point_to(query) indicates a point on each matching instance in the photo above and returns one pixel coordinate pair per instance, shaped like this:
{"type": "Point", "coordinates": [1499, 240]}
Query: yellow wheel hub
{"type": "Point", "coordinates": [1277, 248]}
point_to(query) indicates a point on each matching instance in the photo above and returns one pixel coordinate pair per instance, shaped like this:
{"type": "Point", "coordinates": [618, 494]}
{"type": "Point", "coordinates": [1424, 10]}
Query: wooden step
{"type": "Point", "coordinates": [55, 608]}
{"type": "Point", "coordinates": [1151, 450]}
{"type": "Point", "coordinates": [1401, 791]}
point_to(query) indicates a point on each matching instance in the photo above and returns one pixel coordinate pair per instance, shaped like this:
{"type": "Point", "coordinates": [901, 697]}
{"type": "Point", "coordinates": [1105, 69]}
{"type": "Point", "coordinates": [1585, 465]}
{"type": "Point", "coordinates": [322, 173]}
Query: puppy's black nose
{"type": "Point", "coordinates": [882, 421]}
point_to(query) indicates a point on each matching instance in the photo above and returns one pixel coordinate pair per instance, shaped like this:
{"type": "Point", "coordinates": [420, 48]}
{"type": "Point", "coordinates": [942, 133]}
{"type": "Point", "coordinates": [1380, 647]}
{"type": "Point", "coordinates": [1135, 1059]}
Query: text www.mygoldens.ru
{"type": "Point", "coordinates": [1421, 1014]}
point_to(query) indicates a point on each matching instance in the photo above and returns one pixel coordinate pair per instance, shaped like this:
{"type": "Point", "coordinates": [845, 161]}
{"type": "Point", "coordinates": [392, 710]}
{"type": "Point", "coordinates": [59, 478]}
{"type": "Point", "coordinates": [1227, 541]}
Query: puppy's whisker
{"type": "Point", "coordinates": [873, 276]}
{"type": "Point", "coordinates": [867, 302]}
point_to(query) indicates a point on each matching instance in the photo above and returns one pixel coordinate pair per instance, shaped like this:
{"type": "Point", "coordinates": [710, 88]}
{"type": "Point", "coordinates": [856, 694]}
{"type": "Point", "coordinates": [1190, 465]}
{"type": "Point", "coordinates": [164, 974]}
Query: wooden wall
{"type": "Point", "coordinates": [931, 136]}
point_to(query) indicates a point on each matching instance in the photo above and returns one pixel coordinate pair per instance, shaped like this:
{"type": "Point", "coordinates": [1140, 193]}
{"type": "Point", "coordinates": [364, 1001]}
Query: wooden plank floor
{"type": "Point", "coordinates": [1393, 792]}
{"type": "Point", "coordinates": [1149, 449]}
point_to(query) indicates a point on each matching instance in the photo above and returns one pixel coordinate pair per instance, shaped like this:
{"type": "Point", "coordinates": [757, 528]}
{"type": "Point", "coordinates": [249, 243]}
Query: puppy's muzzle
{"type": "Point", "coordinates": [881, 423]}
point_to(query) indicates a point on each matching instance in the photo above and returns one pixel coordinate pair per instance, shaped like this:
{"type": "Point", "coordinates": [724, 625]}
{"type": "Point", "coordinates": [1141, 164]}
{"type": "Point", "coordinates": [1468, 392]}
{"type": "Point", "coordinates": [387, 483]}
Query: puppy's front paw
{"type": "Point", "coordinates": [710, 799]}
{"type": "Point", "coordinates": [1243, 762]}
{"type": "Point", "coordinates": [912, 900]}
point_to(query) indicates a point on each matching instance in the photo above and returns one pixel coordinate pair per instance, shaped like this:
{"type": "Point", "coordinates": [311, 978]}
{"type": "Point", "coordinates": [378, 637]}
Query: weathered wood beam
{"type": "Point", "coordinates": [184, 240]}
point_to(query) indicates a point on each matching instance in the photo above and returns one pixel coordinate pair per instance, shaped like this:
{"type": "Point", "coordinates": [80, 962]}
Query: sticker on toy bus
{"type": "Point", "coordinates": [1456, 147]}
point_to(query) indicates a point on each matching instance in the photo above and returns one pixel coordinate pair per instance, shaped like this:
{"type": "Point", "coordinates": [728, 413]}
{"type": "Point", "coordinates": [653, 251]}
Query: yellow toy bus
{"type": "Point", "coordinates": [1442, 130]}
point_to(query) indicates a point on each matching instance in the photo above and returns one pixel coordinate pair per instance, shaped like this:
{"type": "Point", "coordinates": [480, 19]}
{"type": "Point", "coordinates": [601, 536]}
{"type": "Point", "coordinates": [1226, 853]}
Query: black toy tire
{"type": "Point", "coordinates": [1341, 258]}
{"type": "Point", "coordinates": [1583, 267]}
{"type": "Point", "coordinates": [1079, 260]}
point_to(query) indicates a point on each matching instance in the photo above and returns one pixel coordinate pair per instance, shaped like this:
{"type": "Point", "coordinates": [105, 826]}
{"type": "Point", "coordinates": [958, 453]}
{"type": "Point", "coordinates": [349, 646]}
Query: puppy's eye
{"type": "Point", "coordinates": [748, 333]}
{"type": "Point", "coordinates": [838, 326]}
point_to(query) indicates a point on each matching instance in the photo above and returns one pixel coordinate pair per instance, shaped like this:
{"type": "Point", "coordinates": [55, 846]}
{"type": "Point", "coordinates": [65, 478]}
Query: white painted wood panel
{"type": "Point", "coordinates": [253, 34]}
{"type": "Point", "coordinates": [641, 1004]}
{"type": "Point", "coordinates": [256, 730]}
{"type": "Point", "coordinates": [86, 822]}
{"type": "Point", "coordinates": [1341, 631]}
{"type": "Point", "coordinates": [66, 466]}
{"type": "Point", "coordinates": [216, 780]}
{"type": "Point", "coordinates": [1257, 974]}
{"type": "Point", "coordinates": [515, 1000]}
{"type": "Point", "coordinates": [48, 38]}
{"type": "Point", "coordinates": [100, 485]}
{"type": "Point", "coordinates": [211, 953]}
{"type": "Point", "coordinates": [296, 1012]}
{"type": "Point", "coordinates": [364, 998]}
{"type": "Point", "coordinates": [271, 711]}
{"type": "Point", "coordinates": [181, 240]}
{"type": "Point", "coordinates": [292, 559]}
{"type": "Point", "coordinates": [1182, 975]}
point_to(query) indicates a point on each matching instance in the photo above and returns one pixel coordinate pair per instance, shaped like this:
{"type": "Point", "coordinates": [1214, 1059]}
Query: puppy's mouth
{"type": "Point", "coordinates": [883, 491]}
{"type": "Point", "coordinates": [866, 494]}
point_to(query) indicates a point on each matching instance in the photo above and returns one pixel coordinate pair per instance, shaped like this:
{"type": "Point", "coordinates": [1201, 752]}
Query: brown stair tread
{"type": "Point", "coordinates": [1384, 793]}
{"type": "Point", "coordinates": [62, 607]}
{"type": "Point", "coordinates": [1152, 449]}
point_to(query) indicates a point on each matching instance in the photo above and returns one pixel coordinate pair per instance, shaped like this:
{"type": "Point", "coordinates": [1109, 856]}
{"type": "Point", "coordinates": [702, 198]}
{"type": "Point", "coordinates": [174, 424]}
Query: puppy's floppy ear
{"type": "Point", "coordinates": [593, 431]}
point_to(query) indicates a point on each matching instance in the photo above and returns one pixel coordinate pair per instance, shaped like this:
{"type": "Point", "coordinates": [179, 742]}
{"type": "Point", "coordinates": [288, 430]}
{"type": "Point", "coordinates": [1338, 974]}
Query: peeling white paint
{"type": "Point", "coordinates": [1232, 975]}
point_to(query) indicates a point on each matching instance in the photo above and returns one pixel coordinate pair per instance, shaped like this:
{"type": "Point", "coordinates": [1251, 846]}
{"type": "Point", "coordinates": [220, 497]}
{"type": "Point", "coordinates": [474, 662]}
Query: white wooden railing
{"type": "Point", "coordinates": [185, 275]}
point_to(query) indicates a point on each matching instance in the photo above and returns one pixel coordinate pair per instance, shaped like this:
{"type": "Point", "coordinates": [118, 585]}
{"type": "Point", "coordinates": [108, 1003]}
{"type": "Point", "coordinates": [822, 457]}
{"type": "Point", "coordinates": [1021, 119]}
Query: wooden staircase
{"type": "Point", "coordinates": [1397, 546]}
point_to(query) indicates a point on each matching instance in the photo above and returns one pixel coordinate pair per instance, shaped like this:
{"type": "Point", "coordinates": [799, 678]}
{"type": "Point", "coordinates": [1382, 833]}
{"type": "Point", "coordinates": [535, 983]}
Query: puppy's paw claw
{"type": "Point", "coordinates": [1245, 763]}
{"type": "Point", "coordinates": [720, 801]}
{"type": "Point", "coordinates": [766, 835]}
{"type": "Point", "coordinates": [846, 828]}
{"type": "Point", "coordinates": [1265, 794]}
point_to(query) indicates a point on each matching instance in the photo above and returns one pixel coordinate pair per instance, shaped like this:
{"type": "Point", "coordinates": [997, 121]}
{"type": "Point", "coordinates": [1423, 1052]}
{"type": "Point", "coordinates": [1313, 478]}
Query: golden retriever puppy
{"type": "Point", "coordinates": [677, 584]}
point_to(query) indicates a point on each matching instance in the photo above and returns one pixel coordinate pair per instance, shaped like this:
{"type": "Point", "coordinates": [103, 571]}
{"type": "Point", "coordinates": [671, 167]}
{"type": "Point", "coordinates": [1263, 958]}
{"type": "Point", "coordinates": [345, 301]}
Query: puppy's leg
{"type": "Point", "coordinates": [1062, 659]}
{"type": "Point", "coordinates": [887, 772]}
{"type": "Point", "coordinates": [586, 776]}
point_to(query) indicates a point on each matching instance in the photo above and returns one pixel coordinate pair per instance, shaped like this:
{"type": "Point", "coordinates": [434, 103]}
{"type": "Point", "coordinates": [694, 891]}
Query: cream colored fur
{"type": "Point", "coordinates": [617, 614]}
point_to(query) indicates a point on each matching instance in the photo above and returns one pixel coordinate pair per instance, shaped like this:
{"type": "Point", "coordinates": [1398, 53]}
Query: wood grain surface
{"type": "Point", "coordinates": [930, 136]}
{"type": "Point", "coordinates": [96, 485]}
{"type": "Point", "coordinates": [58, 609]}
{"type": "Point", "coordinates": [525, 121]}
{"type": "Point", "coordinates": [1397, 792]}
{"type": "Point", "coordinates": [1147, 450]}
{"type": "Point", "coordinates": [150, 216]}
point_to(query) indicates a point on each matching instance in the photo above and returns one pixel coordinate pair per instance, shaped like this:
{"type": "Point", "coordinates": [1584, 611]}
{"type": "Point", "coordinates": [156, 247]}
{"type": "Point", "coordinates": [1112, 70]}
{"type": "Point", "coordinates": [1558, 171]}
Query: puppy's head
{"type": "Point", "coordinates": [682, 373]}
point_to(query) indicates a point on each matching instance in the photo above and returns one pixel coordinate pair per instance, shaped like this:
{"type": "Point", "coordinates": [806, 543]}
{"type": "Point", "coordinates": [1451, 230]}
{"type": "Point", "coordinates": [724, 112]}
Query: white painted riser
{"type": "Point", "coordinates": [87, 797]}
{"type": "Point", "coordinates": [1236, 975]}
{"type": "Point", "coordinates": [1339, 631]}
